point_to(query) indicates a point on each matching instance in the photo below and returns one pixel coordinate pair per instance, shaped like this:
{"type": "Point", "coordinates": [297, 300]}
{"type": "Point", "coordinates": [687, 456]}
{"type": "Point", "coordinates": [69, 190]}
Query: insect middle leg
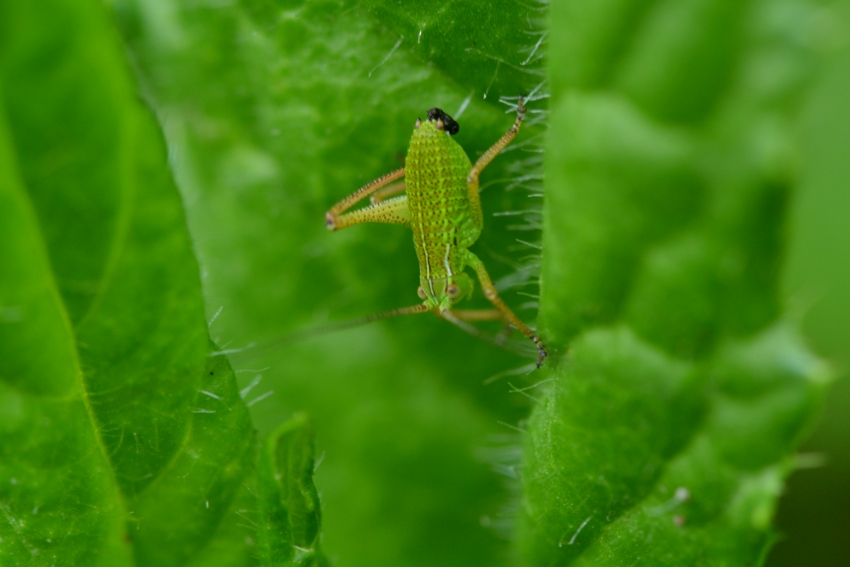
{"type": "Point", "coordinates": [493, 297]}
{"type": "Point", "coordinates": [387, 191]}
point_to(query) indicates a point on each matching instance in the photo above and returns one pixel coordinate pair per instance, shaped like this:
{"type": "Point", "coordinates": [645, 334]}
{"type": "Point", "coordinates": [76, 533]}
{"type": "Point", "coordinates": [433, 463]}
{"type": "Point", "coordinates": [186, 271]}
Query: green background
{"type": "Point", "coordinates": [695, 205]}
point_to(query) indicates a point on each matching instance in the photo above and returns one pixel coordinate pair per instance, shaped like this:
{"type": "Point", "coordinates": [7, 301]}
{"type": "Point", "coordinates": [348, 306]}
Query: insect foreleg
{"type": "Point", "coordinates": [494, 150]}
{"type": "Point", "coordinates": [493, 297]}
{"type": "Point", "coordinates": [486, 158]}
{"type": "Point", "coordinates": [334, 213]}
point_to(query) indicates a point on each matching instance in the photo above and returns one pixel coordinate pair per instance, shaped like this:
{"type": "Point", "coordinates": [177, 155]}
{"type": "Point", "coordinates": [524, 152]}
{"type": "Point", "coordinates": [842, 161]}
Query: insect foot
{"type": "Point", "coordinates": [521, 110]}
{"type": "Point", "coordinates": [542, 353]}
{"type": "Point", "coordinates": [330, 222]}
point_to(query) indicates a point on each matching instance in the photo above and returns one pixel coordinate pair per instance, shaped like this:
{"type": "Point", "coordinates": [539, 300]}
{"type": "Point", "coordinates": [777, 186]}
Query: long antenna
{"type": "Point", "coordinates": [499, 341]}
{"type": "Point", "coordinates": [321, 330]}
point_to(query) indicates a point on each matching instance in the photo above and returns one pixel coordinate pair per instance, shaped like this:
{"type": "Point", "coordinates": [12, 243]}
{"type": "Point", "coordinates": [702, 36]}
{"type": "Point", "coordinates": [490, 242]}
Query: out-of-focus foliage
{"type": "Point", "coordinates": [814, 515]}
{"type": "Point", "coordinates": [664, 228]}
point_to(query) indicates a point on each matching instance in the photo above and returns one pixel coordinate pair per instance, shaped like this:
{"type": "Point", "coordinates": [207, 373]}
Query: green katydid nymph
{"type": "Point", "coordinates": [442, 207]}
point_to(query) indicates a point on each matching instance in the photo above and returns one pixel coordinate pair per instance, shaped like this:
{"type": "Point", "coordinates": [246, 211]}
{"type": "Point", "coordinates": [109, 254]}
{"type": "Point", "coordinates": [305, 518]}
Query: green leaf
{"type": "Point", "coordinates": [667, 428]}
{"type": "Point", "coordinates": [202, 478]}
{"type": "Point", "coordinates": [52, 466]}
{"type": "Point", "coordinates": [289, 504]}
{"type": "Point", "coordinates": [124, 443]}
{"type": "Point", "coordinates": [472, 43]}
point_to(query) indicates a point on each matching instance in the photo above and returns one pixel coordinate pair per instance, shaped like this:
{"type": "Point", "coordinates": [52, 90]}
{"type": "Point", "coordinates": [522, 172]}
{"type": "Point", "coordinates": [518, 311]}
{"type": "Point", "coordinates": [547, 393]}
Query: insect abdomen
{"type": "Point", "coordinates": [440, 213]}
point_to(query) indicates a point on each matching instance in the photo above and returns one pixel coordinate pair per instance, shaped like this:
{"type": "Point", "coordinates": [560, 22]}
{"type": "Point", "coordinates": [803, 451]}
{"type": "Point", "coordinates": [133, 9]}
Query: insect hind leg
{"type": "Point", "coordinates": [493, 297]}
{"type": "Point", "coordinates": [391, 211]}
{"type": "Point", "coordinates": [335, 219]}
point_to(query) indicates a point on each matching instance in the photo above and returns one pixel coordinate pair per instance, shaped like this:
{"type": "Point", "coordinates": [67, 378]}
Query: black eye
{"type": "Point", "coordinates": [452, 290]}
{"type": "Point", "coordinates": [449, 124]}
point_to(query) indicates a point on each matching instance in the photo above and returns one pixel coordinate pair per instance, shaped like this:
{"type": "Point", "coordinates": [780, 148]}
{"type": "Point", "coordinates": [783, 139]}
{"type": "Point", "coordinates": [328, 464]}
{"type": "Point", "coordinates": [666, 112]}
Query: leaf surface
{"type": "Point", "coordinates": [667, 428]}
{"type": "Point", "coordinates": [124, 443]}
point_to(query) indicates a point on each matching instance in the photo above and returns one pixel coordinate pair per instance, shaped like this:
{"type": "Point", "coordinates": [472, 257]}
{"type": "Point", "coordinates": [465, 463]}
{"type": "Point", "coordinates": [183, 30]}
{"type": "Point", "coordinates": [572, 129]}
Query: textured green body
{"type": "Point", "coordinates": [443, 219]}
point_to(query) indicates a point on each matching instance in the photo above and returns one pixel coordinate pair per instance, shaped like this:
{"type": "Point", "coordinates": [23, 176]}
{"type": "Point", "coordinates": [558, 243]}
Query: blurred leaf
{"type": "Point", "coordinates": [289, 503]}
{"type": "Point", "coordinates": [52, 468]}
{"type": "Point", "coordinates": [812, 514]}
{"type": "Point", "coordinates": [202, 479]}
{"type": "Point", "coordinates": [666, 431]}
{"type": "Point", "coordinates": [123, 443]}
